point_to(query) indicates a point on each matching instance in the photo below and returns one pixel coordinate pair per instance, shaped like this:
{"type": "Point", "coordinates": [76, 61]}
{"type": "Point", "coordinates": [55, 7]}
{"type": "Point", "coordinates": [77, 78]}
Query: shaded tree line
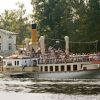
{"type": "Point", "coordinates": [78, 19]}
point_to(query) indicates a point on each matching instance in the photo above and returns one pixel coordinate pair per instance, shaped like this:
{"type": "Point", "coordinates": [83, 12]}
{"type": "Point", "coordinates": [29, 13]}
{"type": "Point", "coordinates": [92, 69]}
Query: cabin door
{"type": "Point", "coordinates": [34, 63]}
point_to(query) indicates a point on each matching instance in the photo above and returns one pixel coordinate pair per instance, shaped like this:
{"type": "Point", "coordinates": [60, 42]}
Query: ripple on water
{"type": "Point", "coordinates": [68, 87]}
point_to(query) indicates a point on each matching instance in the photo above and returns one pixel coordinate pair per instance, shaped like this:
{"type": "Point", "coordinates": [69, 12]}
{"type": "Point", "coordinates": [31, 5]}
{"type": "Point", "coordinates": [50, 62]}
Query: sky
{"type": "Point", "coordinates": [11, 4]}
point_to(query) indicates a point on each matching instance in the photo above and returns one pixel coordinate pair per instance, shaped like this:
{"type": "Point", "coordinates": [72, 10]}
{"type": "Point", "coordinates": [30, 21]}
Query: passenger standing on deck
{"type": "Point", "coordinates": [25, 65]}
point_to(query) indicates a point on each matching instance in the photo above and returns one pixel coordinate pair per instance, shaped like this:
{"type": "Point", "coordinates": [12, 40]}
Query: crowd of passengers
{"type": "Point", "coordinates": [59, 56]}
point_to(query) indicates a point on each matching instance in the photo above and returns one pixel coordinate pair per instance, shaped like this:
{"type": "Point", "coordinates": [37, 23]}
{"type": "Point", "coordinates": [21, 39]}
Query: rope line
{"type": "Point", "coordinates": [90, 42]}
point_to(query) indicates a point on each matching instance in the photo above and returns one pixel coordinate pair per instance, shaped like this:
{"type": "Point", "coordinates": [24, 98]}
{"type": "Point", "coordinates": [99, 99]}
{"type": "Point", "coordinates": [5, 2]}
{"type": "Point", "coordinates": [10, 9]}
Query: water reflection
{"type": "Point", "coordinates": [68, 87]}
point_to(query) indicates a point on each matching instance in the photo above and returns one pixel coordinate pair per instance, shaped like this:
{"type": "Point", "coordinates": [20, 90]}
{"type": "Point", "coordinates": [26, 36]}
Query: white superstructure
{"type": "Point", "coordinates": [19, 61]}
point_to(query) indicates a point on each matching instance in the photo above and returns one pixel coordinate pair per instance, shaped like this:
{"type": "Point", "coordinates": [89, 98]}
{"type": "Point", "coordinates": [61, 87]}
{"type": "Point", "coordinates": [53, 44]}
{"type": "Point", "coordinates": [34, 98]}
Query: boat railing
{"type": "Point", "coordinates": [59, 61]}
{"type": "Point", "coordinates": [61, 58]}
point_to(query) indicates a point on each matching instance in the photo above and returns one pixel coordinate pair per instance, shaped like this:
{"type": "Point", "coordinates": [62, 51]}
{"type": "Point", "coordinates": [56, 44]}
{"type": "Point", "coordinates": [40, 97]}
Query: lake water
{"type": "Point", "coordinates": [63, 89]}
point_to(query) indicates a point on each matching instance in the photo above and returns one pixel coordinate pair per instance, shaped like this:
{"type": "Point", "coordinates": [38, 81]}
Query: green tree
{"type": "Point", "coordinates": [93, 20]}
{"type": "Point", "coordinates": [8, 20]}
{"type": "Point", "coordinates": [53, 17]}
{"type": "Point", "coordinates": [22, 23]}
{"type": "Point", "coordinates": [78, 19]}
{"type": "Point", "coordinates": [16, 21]}
{"type": "Point", "coordinates": [79, 12]}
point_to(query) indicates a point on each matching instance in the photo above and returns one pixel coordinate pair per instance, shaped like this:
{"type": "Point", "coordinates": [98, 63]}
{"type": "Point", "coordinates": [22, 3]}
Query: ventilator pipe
{"type": "Point", "coordinates": [26, 43]}
{"type": "Point", "coordinates": [66, 44]}
{"type": "Point", "coordinates": [42, 44]}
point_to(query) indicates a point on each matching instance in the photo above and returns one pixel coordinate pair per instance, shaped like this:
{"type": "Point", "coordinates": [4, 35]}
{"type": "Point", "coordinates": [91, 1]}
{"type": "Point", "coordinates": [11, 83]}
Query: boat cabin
{"type": "Point", "coordinates": [20, 61]}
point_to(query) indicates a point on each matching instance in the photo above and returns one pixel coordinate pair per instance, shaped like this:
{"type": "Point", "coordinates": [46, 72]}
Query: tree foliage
{"type": "Point", "coordinates": [16, 21]}
{"type": "Point", "coordinates": [52, 17]}
{"type": "Point", "coordinates": [78, 19]}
